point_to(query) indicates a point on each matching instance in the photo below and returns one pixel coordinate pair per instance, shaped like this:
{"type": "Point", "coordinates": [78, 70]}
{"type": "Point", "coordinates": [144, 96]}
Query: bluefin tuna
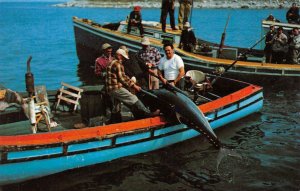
{"type": "Point", "coordinates": [189, 112]}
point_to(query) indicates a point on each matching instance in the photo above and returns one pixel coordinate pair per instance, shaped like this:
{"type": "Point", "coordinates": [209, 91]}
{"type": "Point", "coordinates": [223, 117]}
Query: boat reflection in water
{"type": "Point", "coordinates": [87, 75]}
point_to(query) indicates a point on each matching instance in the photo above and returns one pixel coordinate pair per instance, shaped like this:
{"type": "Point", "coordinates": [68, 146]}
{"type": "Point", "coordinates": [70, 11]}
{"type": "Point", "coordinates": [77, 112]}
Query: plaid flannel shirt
{"type": "Point", "coordinates": [116, 78]}
{"type": "Point", "coordinates": [150, 54]}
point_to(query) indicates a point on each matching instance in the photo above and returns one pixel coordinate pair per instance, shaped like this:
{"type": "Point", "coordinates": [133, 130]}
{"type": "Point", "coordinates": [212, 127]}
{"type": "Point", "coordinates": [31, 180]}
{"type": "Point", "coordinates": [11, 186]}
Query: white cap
{"type": "Point", "coordinates": [145, 41]}
{"type": "Point", "coordinates": [106, 46]}
{"type": "Point", "coordinates": [187, 25]}
{"type": "Point", "coordinates": [122, 52]}
{"type": "Point", "coordinates": [124, 48]}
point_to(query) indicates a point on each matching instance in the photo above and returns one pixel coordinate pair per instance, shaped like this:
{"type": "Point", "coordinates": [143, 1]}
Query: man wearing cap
{"type": "Point", "coordinates": [135, 19]}
{"type": "Point", "coordinates": [188, 40]}
{"type": "Point", "coordinates": [173, 67]}
{"type": "Point", "coordinates": [152, 57]}
{"type": "Point", "coordinates": [184, 12]}
{"type": "Point", "coordinates": [135, 68]}
{"type": "Point", "coordinates": [279, 46]}
{"type": "Point", "coordinates": [117, 85]}
{"type": "Point", "coordinates": [294, 47]}
{"type": "Point", "coordinates": [102, 61]}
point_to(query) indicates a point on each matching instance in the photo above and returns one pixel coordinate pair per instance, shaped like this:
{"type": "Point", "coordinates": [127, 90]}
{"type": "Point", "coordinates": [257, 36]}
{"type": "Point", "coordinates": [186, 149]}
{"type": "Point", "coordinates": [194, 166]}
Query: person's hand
{"type": "Point", "coordinates": [164, 81]}
{"type": "Point", "coordinates": [172, 83]}
{"type": "Point", "coordinates": [149, 64]}
{"type": "Point", "coordinates": [137, 88]}
{"type": "Point", "coordinates": [151, 72]}
{"type": "Point", "coordinates": [133, 79]}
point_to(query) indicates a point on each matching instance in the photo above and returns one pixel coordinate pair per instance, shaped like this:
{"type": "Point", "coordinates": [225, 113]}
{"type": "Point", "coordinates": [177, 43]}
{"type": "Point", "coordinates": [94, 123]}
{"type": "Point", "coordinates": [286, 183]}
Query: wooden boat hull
{"type": "Point", "coordinates": [89, 36]}
{"type": "Point", "coordinates": [25, 157]}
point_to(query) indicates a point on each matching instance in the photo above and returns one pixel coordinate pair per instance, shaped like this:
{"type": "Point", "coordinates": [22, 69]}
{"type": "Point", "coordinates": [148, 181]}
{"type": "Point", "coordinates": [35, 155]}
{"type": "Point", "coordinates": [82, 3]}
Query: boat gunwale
{"type": "Point", "coordinates": [211, 60]}
{"type": "Point", "coordinates": [100, 132]}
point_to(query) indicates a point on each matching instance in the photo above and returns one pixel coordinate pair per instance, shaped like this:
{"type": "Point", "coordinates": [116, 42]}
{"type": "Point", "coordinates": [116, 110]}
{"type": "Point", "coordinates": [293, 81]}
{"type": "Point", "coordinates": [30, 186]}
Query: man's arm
{"type": "Point", "coordinates": [160, 77]}
{"type": "Point", "coordinates": [157, 56]}
{"type": "Point", "coordinates": [124, 80]}
{"type": "Point", "coordinates": [180, 75]}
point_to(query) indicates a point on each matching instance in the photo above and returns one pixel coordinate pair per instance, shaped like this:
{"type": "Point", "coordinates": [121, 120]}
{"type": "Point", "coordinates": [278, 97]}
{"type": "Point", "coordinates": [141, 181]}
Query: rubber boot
{"type": "Point", "coordinates": [140, 111]}
{"type": "Point", "coordinates": [115, 118]}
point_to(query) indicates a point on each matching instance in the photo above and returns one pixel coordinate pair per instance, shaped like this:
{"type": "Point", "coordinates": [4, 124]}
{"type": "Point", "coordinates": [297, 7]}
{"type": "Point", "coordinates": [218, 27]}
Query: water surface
{"type": "Point", "coordinates": [266, 144]}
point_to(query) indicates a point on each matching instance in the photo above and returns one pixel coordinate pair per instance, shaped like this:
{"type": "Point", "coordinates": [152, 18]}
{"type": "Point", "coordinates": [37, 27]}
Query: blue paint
{"type": "Point", "coordinates": [89, 145]}
{"type": "Point", "coordinates": [135, 137]}
{"type": "Point", "coordinates": [250, 100]}
{"type": "Point", "coordinates": [34, 153]}
{"type": "Point", "coordinates": [168, 129]}
{"type": "Point", "coordinates": [227, 110]}
{"type": "Point", "coordinates": [17, 172]}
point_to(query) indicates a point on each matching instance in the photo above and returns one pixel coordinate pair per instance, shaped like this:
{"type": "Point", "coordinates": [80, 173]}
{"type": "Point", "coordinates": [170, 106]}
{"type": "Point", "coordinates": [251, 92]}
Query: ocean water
{"type": "Point", "coordinates": [46, 33]}
{"type": "Point", "coordinates": [265, 145]}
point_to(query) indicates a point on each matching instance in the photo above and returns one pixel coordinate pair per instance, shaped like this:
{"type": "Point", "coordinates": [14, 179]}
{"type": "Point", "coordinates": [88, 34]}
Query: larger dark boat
{"type": "Point", "coordinates": [90, 35]}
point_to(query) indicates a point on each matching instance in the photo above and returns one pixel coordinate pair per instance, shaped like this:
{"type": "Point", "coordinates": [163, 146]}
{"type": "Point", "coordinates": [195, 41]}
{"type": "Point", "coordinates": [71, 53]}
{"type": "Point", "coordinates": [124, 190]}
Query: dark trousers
{"type": "Point", "coordinates": [164, 14]}
{"type": "Point", "coordinates": [179, 84]}
{"type": "Point", "coordinates": [268, 55]}
{"type": "Point", "coordinates": [139, 25]}
{"type": "Point", "coordinates": [278, 57]}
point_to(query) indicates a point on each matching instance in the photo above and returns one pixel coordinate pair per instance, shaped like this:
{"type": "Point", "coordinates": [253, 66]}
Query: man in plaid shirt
{"type": "Point", "coordinates": [152, 57]}
{"type": "Point", "coordinates": [117, 85]}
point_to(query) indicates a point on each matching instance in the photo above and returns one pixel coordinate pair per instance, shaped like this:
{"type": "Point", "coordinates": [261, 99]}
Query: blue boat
{"type": "Point", "coordinates": [25, 156]}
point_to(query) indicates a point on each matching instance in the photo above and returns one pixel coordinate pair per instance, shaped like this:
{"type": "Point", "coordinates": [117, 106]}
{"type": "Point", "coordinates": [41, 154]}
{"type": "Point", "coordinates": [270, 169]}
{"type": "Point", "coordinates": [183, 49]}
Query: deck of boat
{"type": "Point", "coordinates": [66, 120]}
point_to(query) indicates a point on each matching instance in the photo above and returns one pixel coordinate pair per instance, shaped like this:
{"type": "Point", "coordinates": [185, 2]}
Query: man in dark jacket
{"type": "Point", "coordinates": [268, 44]}
{"type": "Point", "coordinates": [135, 68]}
{"type": "Point", "coordinates": [168, 6]}
{"type": "Point", "coordinates": [188, 40]}
{"type": "Point", "coordinates": [135, 19]}
{"type": "Point", "coordinates": [292, 16]}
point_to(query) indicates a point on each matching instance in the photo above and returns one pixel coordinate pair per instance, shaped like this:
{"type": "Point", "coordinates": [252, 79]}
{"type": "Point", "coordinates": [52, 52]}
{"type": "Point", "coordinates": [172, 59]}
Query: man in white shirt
{"type": "Point", "coordinates": [173, 68]}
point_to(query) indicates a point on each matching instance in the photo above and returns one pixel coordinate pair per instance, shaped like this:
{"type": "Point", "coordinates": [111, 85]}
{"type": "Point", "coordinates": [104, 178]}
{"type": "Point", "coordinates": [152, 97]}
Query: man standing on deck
{"type": "Point", "coordinates": [184, 12]}
{"type": "Point", "coordinates": [173, 67]}
{"type": "Point", "coordinates": [294, 47]}
{"type": "Point", "coordinates": [279, 46]}
{"type": "Point", "coordinates": [116, 86]}
{"type": "Point", "coordinates": [292, 16]}
{"type": "Point", "coordinates": [188, 40]}
{"type": "Point", "coordinates": [168, 6]}
{"type": "Point", "coordinates": [102, 61]}
{"type": "Point", "coordinates": [152, 57]}
{"type": "Point", "coordinates": [268, 44]}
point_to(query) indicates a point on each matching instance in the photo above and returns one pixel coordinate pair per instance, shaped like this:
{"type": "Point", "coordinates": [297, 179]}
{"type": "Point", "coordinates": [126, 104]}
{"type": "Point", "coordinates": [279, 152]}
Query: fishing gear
{"type": "Point", "coordinates": [241, 55]}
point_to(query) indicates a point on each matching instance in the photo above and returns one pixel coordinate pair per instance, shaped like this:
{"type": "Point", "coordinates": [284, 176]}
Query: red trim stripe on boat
{"type": "Point", "coordinates": [103, 131]}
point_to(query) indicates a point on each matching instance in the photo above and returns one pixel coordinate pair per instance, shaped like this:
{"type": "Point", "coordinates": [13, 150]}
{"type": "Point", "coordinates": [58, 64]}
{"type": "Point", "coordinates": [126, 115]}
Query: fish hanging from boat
{"type": "Point", "coordinates": [187, 112]}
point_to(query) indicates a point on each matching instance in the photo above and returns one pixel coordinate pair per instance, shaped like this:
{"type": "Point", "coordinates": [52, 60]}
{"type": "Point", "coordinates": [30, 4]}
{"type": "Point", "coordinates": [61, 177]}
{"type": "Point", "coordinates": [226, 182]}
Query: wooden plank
{"type": "Point", "coordinates": [67, 100]}
{"type": "Point", "coordinates": [72, 87]}
{"type": "Point", "coordinates": [69, 93]}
